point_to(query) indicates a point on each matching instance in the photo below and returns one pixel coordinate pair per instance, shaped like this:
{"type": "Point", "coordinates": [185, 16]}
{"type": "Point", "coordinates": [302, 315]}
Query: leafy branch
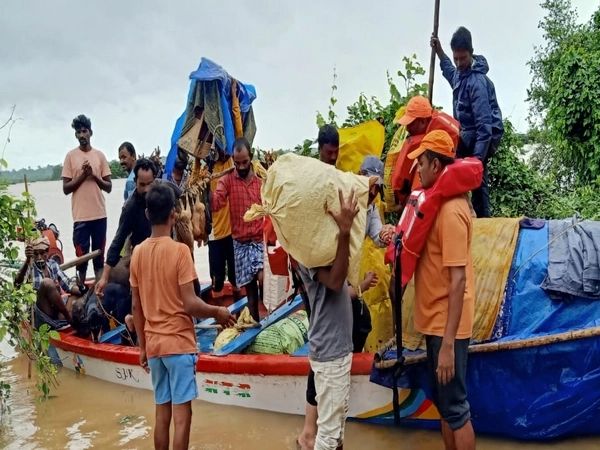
{"type": "Point", "coordinates": [9, 122]}
{"type": "Point", "coordinates": [17, 224]}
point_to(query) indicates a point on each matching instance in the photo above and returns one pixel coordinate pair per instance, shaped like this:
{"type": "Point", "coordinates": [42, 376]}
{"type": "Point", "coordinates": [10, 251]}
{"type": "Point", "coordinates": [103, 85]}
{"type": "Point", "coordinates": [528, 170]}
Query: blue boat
{"type": "Point", "coordinates": [538, 378]}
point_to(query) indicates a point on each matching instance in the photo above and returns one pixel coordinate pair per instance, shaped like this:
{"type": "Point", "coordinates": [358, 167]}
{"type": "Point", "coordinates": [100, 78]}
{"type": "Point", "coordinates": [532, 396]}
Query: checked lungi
{"type": "Point", "coordinates": [248, 260]}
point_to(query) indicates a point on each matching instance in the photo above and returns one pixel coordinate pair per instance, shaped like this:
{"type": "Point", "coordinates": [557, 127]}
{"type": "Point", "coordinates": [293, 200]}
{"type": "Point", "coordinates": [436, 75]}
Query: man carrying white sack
{"type": "Point", "coordinates": [328, 141]}
{"type": "Point", "coordinates": [330, 337]}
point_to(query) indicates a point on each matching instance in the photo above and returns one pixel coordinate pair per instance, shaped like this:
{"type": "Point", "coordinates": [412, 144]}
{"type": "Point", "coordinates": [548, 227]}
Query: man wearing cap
{"type": "Point", "coordinates": [381, 234]}
{"type": "Point", "coordinates": [419, 119]}
{"type": "Point", "coordinates": [445, 295]}
{"type": "Point", "coordinates": [49, 308]}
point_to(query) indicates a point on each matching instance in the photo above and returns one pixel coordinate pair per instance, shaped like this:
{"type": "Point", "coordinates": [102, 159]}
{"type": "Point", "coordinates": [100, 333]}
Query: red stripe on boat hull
{"type": "Point", "coordinates": [230, 364]}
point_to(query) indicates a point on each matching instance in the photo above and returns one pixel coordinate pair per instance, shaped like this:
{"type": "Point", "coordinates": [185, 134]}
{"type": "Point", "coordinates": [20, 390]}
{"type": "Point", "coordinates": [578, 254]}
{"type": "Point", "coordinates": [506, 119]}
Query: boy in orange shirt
{"type": "Point", "coordinates": [445, 295]}
{"type": "Point", "coordinates": [162, 274]}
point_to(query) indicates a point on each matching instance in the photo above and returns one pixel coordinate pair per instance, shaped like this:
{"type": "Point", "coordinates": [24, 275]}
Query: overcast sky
{"type": "Point", "coordinates": [126, 64]}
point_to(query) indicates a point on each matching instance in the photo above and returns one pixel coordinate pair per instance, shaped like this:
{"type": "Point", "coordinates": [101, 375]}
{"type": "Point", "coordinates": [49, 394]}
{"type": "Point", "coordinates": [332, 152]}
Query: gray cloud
{"type": "Point", "coordinates": [126, 63]}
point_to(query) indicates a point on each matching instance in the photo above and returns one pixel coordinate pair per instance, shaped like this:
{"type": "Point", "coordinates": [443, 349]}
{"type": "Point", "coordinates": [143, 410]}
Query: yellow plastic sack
{"type": "Point", "coordinates": [390, 161]}
{"type": "Point", "coordinates": [493, 247]}
{"type": "Point", "coordinates": [296, 195]}
{"type": "Point", "coordinates": [377, 298]}
{"type": "Point", "coordinates": [357, 142]}
{"type": "Point", "coordinates": [229, 334]}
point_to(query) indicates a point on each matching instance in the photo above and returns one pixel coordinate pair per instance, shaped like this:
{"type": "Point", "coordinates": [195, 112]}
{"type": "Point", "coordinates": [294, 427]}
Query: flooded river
{"type": "Point", "coordinates": [85, 412]}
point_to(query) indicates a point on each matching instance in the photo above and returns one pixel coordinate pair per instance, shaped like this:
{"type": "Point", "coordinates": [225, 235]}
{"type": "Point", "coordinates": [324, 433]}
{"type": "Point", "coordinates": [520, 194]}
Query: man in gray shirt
{"type": "Point", "coordinates": [330, 332]}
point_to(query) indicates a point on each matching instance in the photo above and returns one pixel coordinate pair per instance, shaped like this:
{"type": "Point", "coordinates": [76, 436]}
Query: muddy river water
{"type": "Point", "coordinates": [85, 412]}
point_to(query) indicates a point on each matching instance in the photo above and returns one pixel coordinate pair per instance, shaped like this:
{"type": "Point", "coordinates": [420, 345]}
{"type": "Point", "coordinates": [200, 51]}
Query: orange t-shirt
{"type": "Point", "coordinates": [158, 267]}
{"type": "Point", "coordinates": [448, 245]}
{"type": "Point", "coordinates": [87, 202]}
{"type": "Point", "coordinates": [221, 220]}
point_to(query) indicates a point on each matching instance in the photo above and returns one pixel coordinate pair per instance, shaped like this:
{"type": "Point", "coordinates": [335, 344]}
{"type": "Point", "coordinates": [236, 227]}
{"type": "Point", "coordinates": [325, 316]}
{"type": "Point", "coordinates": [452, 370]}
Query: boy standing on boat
{"type": "Point", "coordinates": [164, 301]}
{"type": "Point", "coordinates": [86, 174]}
{"type": "Point", "coordinates": [444, 296]}
{"type": "Point", "coordinates": [242, 189]}
{"type": "Point", "coordinates": [475, 107]}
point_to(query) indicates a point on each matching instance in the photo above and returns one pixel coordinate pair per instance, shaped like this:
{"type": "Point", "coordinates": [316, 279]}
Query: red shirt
{"type": "Point", "coordinates": [242, 194]}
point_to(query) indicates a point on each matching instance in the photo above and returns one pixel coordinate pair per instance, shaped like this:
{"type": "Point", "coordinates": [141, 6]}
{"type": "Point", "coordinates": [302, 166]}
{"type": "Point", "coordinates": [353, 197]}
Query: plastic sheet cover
{"type": "Point", "coordinates": [207, 71]}
{"type": "Point", "coordinates": [536, 393]}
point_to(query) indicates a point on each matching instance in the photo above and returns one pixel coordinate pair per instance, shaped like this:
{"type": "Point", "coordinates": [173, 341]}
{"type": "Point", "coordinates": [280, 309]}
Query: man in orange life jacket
{"type": "Point", "coordinates": [445, 295]}
{"type": "Point", "coordinates": [419, 119]}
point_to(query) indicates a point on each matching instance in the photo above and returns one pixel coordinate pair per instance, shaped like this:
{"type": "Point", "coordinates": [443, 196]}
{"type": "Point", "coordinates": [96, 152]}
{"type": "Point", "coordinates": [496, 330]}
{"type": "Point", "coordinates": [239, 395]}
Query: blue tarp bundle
{"type": "Point", "coordinates": [210, 71]}
{"type": "Point", "coordinates": [535, 393]}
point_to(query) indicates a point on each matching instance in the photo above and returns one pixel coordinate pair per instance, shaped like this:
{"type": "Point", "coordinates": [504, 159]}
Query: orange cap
{"type": "Point", "coordinates": [417, 108]}
{"type": "Point", "coordinates": [438, 141]}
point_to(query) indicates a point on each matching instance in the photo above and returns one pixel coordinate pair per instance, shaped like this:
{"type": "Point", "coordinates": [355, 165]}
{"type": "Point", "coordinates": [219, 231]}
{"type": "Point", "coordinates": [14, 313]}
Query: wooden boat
{"type": "Point", "coordinates": [537, 378]}
{"type": "Point", "coordinates": [268, 382]}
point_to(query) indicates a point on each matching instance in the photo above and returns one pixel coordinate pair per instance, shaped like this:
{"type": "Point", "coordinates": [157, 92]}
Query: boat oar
{"type": "Point", "coordinates": [436, 23]}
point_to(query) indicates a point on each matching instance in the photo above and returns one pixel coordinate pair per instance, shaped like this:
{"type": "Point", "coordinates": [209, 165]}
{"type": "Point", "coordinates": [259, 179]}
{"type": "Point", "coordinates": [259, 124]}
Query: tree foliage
{"type": "Point", "coordinates": [564, 97]}
{"type": "Point", "coordinates": [16, 223]}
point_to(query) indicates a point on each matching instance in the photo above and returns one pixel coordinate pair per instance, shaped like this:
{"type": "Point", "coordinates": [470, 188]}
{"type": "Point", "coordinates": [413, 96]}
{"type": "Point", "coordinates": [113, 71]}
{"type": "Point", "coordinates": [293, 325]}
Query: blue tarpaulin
{"type": "Point", "coordinates": [209, 71]}
{"type": "Point", "coordinates": [535, 393]}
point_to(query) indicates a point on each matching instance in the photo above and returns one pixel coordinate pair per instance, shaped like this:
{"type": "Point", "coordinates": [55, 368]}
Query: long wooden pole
{"type": "Point", "coordinates": [436, 23]}
{"type": "Point", "coordinates": [80, 260]}
{"type": "Point", "coordinates": [31, 312]}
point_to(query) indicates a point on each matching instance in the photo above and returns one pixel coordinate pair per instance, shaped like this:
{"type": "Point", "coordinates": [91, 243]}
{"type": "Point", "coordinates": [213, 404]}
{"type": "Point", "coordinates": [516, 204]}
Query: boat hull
{"type": "Point", "coordinates": [274, 383]}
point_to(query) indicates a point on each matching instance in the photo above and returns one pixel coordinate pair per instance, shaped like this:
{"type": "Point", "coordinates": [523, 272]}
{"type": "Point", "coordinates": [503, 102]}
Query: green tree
{"type": "Point", "coordinates": [116, 170]}
{"type": "Point", "coordinates": [57, 172]}
{"type": "Point", "coordinates": [16, 224]}
{"type": "Point", "coordinates": [563, 97]}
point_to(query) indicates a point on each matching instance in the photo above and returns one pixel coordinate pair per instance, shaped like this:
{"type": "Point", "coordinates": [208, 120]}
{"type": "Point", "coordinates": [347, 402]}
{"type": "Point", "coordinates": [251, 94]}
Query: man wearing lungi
{"type": "Point", "coordinates": [242, 188]}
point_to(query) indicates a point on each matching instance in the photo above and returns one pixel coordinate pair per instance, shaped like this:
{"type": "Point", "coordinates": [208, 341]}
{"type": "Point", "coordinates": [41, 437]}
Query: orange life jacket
{"type": "Point", "coordinates": [422, 207]}
{"type": "Point", "coordinates": [404, 179]}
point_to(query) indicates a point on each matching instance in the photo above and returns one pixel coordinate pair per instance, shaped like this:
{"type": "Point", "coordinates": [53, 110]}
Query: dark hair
{"type": "Point", "coordinates": [81, 121]}
{"type": "Point", "coordinates": [242, 143]}
{"type": "Point", "coordinates": [160, 201]}
{"type": "Point", "coordinates": [443, 159]}
{"type": "Point", "coordinates": [328, 134]}
{"type": "Point", "coordinates": [144, 164]}
{"type": "Point", "coordinates": [129, 147]}
{"type": "Point", "coordinates": [461, 40]}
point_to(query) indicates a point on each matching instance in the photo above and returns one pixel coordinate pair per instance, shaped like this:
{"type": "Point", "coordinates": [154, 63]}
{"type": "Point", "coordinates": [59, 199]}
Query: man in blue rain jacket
{"type": "Point", "coordinates": [475, 106]}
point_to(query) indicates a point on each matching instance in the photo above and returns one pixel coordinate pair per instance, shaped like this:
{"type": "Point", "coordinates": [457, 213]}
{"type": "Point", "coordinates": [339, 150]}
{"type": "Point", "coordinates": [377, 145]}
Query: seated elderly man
{"type": "Point", "coordinates": [50, 307]}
